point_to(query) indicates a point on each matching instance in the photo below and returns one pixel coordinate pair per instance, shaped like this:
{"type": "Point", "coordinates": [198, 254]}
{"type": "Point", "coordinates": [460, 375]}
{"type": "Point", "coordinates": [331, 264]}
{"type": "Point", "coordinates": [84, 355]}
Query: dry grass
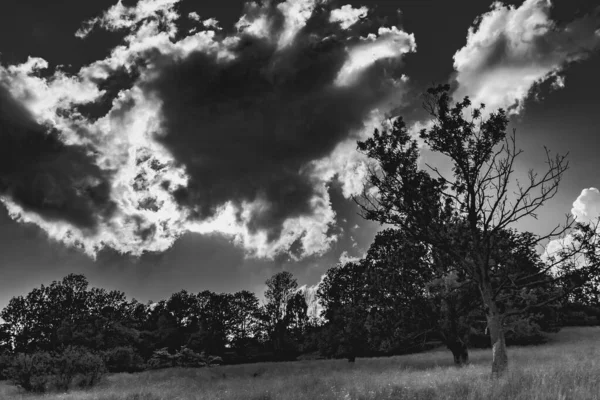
{"type": "Point", "coordinates": [565, 368]}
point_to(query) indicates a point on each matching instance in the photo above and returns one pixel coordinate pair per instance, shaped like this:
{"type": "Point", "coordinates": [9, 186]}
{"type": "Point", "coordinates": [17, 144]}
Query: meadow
{"type": "Point", "coordinates": [567, 367]}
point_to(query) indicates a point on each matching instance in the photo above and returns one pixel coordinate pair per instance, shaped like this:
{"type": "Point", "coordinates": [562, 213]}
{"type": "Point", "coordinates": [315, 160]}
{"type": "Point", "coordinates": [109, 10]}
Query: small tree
{"type": "Point", "coordinates": [245, 308]}
{"type": "Point", "coordinates": [463, 215]}
{"type": "Point", "coordinates": [280, 311]}
{"type": "Point", "coordinates": [345, 308]}
{"type": "Point", "coordinates": [398, 272]}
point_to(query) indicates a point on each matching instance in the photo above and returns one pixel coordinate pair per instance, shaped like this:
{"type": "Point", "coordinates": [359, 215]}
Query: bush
{"type": "Point", "coordinates": [4, 365]}
{"type": "Point", "coordinates": [42, 371]}
{"type": "Point", "coordinates": [190, 359]}
{"type": "Point", "coordinates": [32, 372]}
{"type": "Point", "coordinates": [185, 357]}
{"type": "Point", "coordinates": [525, 332]}
{"type": "Point", "coordinates": [574, 314]}
{"type": "Point", "coordinates": [123, 359]}
{"type": "Point", "coordinates": [161, 358]}
{"type": "Point", "coordinates": [211, 360]}
{"type": "Point", "coordinates": [79, 365]}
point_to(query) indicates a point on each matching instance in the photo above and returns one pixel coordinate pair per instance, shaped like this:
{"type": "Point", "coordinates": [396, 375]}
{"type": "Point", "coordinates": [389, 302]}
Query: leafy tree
{"type": "Point", "coordinates": [217, 322]}
{"type": "Point", "coordinates": [284, 314]}
{"type": "Point", "coordinates": [245, 322]}
{"type": "Point", "coordinates": [462, 215]}
{"type": "Point", "coordinates": [161, 330]}
{"type": "Point", "coordinates": [397, 274]}
{"type": "Point", "coordinates": [345, 308]}
{"type": "Point", "coordinates": [34, 320]}
{"type": "Point", "coordinates": [66, 313]}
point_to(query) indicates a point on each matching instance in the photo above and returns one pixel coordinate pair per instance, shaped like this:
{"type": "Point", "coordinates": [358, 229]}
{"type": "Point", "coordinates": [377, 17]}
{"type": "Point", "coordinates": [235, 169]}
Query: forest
{"type": "Point", "coordinates": [447, 269]}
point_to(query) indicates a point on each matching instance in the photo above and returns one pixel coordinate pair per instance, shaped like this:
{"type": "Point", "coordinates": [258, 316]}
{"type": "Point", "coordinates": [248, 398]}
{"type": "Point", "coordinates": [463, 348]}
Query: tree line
{"type": "Point", "coordinates": [450, 268]}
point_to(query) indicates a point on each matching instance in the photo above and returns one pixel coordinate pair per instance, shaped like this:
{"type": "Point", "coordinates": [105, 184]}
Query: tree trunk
{"type": "Point", "coordinates": [460, 352]}
{"type": "Point", "coordinates": [499, 354]}
{"type": "Point", "coordinates": [494, 320]}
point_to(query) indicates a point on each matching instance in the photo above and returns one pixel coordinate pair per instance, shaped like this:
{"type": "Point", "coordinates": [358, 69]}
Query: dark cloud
{"type": "Point", "coordinates": [42, 174]}
{"type": "Point", "coordinates": [246, 129]}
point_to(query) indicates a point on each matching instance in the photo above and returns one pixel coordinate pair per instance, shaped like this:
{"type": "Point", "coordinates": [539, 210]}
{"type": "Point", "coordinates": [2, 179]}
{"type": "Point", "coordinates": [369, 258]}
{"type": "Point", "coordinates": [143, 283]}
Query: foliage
{"type": "Point", "coordinates": [5, 360]}
{"type": "Point", "coordinates": [577, 314]}
{"type": "Point", "coordinates": [344, 299]}
{"type": "Point", "coordinates": [77, 365]}
{"type": "Point", "coordinates": [42, 371]}
{"type": "Point", "coordinates": [32, 372]}
{"type": "Point", "coordinates": [185, 357]}
{"type": "Point", "coordinates": [123, 359]}
{"type": "Point", "coordinates": [161, 358]}
{"type": "Point", "coordinates": [465, 216]}
{"type": "Point", "coordinates": [68, 313]}
{"type": "Point", "coordinates": [284, 316]}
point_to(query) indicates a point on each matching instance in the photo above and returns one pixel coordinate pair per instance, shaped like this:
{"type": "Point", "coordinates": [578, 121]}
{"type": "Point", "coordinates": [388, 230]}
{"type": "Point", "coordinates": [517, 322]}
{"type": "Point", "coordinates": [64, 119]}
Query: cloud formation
{"type": "Point", "coordinates": [45, 175]}
{"type": "Point", "coordinates": [586, 210]}
{"type": "Point", "coordinates": [511, 49]}
{"type": "Point", "coordinates": [586, 207]}
{"type": "Point", "coordinates": [238, 133]}
{"type": "Point", "coordinates": [347, 15]}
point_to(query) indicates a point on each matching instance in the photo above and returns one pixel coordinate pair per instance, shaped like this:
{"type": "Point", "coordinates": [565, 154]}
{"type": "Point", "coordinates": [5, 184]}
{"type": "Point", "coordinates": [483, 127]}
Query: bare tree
{"type": "Point", "coordinates": [465, 215]}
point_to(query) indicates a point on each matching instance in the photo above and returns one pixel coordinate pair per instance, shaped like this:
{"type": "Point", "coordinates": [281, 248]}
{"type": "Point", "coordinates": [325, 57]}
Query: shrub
{"type": "Point", "coordinates": [525, 332]}
{"type": "Point", "coordinates": [211, 360]}
{"type": "Point", "coordinates": [32, 372]}
{"type": "Point", "coordinates": [123, 359]}
{"type": "Point", "coordinates": [185, 357]}
{"type": "Point", "coordinates": [162, 359]}
{"type": "Point", "coordinates": [190, 359]}
{"type": "Point", "coordinates": [4, 365]}
{"type": "Point", "coordinates": [79, 365]}
{"type": "Point", "coordinates": [41, 371]}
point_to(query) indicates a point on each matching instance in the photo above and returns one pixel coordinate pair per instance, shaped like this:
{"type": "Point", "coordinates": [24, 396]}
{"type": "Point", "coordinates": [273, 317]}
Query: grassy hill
{"type": "Point", "coordinates": [568, 367]}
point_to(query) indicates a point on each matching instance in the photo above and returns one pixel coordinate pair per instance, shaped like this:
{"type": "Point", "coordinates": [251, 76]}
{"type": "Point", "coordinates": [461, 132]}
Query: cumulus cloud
{"type": "Point", "coordinates": [238, 134]}
{"type": "Point", "coordinates": [586, 207]}
{"type": "Point", "coordinates": [511, 49]}
{"type": "Point", "coordinates": [347, 15]}
{"type": "Point", "coordinates": [586, 210]}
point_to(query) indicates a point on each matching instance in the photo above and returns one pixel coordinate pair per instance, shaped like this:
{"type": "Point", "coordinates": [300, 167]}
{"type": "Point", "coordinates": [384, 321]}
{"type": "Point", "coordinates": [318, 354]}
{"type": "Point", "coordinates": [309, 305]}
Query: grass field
{"type": "Point", "coordinates": [568, 367]}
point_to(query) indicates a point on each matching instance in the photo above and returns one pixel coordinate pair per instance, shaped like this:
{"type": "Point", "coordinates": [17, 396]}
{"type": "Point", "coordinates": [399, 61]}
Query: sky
{"type": "Point", "coordinates": [161, 145]}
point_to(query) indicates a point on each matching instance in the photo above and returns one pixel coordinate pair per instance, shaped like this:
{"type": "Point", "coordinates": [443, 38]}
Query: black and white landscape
{"type": "Point", "coordinates": [197, 191]}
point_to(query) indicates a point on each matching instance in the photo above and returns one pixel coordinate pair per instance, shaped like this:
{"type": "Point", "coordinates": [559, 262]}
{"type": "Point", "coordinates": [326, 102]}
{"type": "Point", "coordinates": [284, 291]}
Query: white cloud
{"type": "Point", "coordinates": [389, 43]}
{"type": "Point", "coordinates": [346, 258]}
{"type": "Point", "coordinates": [211, 23]}
{"type": "Point", "coordinates": [255, 21]}
{"type": "Point", "coordinates": [295, 13]}
{"type": "Point", "coordinates": [120, 17]}
{"type": "Point", "coordinates": [310, 295]}
{"type": "Point", "coordinates": [347, 15]}
{"type": "Point", "coordinates": [194, 16]}
{"type": "Point", "coordinates": [586, 210]}
{"type": "Point", "coordinates": [586, 207]}
{"type": "Point", "coordinates": [512, 49]}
